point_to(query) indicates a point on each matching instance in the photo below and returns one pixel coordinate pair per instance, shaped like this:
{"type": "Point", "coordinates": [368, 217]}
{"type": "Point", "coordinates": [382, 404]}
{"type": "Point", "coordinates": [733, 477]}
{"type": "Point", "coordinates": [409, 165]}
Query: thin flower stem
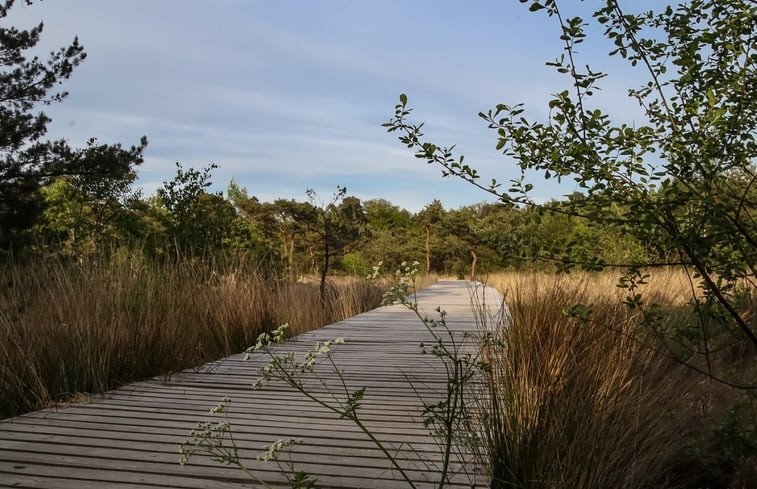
{"type": "Point", "coordinates": [343, 412]}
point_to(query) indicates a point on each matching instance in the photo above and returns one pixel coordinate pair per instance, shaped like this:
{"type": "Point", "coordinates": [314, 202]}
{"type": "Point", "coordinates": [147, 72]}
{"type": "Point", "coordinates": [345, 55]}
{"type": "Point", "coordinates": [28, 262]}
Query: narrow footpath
{"type": "Point", "coordinates": [129, 437]}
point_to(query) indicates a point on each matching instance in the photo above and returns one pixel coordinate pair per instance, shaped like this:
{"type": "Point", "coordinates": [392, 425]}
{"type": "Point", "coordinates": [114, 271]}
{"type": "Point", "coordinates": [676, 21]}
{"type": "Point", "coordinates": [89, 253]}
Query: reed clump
{"type": "Point", "coordinates": [587, 398]}
{"type": "Point", "coordinates": [69, 328]}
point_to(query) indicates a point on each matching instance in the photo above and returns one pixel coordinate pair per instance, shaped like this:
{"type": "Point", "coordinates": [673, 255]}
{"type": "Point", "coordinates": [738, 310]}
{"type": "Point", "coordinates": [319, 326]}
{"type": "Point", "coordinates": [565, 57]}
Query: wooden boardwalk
{"type": "Point", "coordinates": [129, 437]}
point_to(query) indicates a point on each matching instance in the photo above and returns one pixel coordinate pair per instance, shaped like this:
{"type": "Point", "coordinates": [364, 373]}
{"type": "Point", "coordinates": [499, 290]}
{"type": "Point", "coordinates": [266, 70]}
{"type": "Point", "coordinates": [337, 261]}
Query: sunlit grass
{"type": "Point", "coordinates": [597, 401]}
{"type": "Point", "coordinates": [69, 328]}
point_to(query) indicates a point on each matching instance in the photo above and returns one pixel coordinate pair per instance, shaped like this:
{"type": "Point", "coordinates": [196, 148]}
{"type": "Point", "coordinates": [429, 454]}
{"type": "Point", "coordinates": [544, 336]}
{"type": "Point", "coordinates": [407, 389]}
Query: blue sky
{"type": "Point", "coordinates": [289, 95]}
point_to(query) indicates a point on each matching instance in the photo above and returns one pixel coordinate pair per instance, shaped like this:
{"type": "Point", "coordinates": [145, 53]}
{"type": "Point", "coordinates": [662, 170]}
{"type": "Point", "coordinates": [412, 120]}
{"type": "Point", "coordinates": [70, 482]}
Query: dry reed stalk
{"type": "Point", "coordinates": [71, 328]}
{"type": "Point", "coordinates": [572, 403]}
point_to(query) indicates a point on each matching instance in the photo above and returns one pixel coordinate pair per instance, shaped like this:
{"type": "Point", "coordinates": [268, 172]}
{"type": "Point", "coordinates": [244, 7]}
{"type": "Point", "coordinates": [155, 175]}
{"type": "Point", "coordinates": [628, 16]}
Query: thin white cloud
{"type": "Point", "coordinates": [290, 95]}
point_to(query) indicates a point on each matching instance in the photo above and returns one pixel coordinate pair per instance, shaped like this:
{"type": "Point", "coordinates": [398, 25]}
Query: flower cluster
{"type": "Point", "coordinates": [403, 285]}
{"type": "Point", "coordinates": [284, 365]}
{"type": "Point", "coordinates": [221, 407]}
{"type": "Point", "coordinates": [376, 272]}
{"type": "Point", "coordinates": [210, 438]}
{"type": "Point", "coordinates": [266, 339]}
{"type": "Point", "coordinates": [272, 451]}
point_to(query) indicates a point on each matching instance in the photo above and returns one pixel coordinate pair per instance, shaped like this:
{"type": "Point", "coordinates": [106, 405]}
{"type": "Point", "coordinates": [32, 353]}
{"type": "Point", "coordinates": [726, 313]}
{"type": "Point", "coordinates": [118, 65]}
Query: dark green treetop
{"type": "Point", "coordinates": [27, 161]}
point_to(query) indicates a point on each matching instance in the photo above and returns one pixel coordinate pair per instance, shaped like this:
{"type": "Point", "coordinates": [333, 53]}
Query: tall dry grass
{"type": "Point", "coordinates": [665, 286]}
{"type": "Point", "coordinates": [80, 328]}
{"type": "Point", "coordinates": [584, 403]}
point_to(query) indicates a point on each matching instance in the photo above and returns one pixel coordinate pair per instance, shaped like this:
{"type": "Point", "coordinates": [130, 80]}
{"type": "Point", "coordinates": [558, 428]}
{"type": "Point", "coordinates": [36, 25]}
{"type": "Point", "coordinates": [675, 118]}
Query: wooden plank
{"type": "Point", "coordinates": [321, 465]}
{"type": "Point", "coordinates": [149, 467]}
{"type": "Point", "coordinates": [128, 438]}
{"type": "Point", "coordinates": [167, 434]}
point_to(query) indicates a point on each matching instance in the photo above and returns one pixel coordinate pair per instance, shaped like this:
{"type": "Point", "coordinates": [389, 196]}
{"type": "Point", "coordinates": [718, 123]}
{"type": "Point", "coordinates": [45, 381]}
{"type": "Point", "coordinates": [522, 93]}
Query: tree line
{"type": "Point", "coordinates": [85, 216]}
{"type": "Point", "coordinates": [80, 203]}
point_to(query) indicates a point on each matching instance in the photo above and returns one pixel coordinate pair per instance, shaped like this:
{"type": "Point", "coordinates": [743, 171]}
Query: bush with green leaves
{"type": "Point", "coordinates": [683, 179]}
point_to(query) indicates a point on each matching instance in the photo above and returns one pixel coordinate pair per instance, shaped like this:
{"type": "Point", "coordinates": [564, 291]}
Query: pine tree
{"type": "Point", "coordinates": [27, 160]}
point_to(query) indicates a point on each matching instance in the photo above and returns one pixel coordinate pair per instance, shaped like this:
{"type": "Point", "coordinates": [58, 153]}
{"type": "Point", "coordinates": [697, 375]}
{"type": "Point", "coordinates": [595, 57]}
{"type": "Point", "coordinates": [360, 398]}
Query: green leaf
{"type": "Point", "coordinates": [536, 6]}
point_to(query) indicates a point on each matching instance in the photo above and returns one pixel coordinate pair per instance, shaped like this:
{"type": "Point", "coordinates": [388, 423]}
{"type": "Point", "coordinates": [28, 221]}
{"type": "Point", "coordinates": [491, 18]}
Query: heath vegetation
{"type": "Point", "coordinates": [69, 328]}
{"type": "Point", "coordinates": [640, 376]}
{"type": "Point", "coordinates": [595, 398]}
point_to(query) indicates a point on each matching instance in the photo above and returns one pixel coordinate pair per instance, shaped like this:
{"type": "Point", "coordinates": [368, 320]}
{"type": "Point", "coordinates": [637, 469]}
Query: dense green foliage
{"type": "Point", "coordinates": [294, 237]}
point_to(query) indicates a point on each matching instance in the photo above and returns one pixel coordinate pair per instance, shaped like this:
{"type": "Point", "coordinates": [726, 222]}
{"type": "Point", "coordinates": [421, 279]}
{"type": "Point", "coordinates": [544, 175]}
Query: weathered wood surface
{"type": "Point", "coordinates": [129, 437]}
